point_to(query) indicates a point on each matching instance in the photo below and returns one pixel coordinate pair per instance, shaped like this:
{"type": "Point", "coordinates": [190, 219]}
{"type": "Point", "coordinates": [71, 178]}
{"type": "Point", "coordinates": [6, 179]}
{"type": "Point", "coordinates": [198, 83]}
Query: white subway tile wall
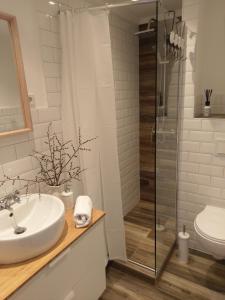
{"type": "Point", "coordinates": [201, 170]}
{"type": "Point", "coordinates": [125, 53]}
{"type": "Point", "coordinates": [15, 150]}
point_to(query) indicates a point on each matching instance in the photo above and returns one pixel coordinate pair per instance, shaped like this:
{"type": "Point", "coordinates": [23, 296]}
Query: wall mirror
{"type": "Point", "coordinates": [14, 101]}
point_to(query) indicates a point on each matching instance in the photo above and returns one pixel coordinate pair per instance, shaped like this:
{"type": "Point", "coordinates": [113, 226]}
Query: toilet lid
{"type": "Point", "coordinates": [211, 222]}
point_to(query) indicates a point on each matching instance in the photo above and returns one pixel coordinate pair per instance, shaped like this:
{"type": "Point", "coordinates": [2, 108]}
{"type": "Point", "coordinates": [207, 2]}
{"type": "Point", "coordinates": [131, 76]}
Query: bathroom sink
{"type": "Point", "coordinates": [42, 217]}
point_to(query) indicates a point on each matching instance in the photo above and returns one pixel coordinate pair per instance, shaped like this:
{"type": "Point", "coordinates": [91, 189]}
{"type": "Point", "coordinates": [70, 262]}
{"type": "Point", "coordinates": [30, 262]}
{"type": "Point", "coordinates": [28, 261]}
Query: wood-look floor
{"type": "Point", "coordinates": [122, 285]}
{"type": "Point", "coordinates": [202, 279]}
{"type": "Point", "coordinates": [140, 235]}
{"type": "Point", "coordinates": [140, 232]}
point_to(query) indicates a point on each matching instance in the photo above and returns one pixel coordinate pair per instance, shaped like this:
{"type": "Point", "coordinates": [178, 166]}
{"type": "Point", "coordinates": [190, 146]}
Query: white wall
{"type": "Point", "coordinates": [14, 150]}
{"type": "Point", "coordinates": [125, 53]}
{"type": "Point", "coordinates": [201, 171]}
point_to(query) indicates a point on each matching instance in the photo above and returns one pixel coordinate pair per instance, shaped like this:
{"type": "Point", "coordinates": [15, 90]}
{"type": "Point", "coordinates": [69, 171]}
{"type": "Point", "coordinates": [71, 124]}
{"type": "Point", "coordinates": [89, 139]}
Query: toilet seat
{"type": "Point", "coordinates": [207, 237]}
{"type": "Point", "coordinates": [210, 223]}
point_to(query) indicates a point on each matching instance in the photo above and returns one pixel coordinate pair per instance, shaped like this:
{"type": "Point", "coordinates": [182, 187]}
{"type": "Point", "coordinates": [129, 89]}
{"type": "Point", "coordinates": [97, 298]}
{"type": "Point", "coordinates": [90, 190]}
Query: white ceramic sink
{"type": "Point", "coordinates": [43, 216]}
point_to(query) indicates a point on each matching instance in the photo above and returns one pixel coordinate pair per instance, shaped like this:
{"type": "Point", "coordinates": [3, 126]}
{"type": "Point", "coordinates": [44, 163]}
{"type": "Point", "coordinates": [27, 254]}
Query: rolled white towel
{"type": "Point", "coordinates": [83, 211]}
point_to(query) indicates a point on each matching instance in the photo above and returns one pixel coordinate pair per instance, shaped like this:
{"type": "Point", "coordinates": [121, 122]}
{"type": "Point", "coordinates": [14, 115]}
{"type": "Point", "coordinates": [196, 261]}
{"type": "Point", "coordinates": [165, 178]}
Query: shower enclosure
{"type": "Point", "coordinates": [128, 62]}
{"type": "Point", "coordinates": [166, 154]}
{"type": "Point", "coordinates": [146, 74]}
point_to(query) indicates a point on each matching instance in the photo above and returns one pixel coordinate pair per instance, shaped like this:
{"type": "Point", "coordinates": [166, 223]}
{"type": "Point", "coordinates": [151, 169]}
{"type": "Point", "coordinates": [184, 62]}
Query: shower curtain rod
{"type": "Point", "coordinates": [61, 7]}
{"type": "Point", "coordinates": [122, 4]}
{"type": "Point", "coordinates": [60, 4]}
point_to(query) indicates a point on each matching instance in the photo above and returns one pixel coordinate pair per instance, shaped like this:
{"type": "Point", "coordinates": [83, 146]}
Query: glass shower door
{"type": "Point", "coordinates": [166, 141]}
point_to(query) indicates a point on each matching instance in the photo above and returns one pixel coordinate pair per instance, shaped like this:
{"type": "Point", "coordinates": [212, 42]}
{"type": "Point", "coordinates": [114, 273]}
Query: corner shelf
{"type": "Point", "coordinates": [212, 116]}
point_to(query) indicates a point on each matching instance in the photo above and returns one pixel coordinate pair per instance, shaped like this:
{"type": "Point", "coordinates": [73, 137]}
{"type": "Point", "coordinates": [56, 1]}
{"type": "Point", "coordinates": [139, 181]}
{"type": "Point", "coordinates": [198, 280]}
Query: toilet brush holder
{"type": "Point", "coordinates": [183, 247]}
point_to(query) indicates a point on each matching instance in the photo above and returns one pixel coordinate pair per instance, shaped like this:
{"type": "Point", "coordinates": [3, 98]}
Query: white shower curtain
{"type": "Point", "coordinates": [88, 103]}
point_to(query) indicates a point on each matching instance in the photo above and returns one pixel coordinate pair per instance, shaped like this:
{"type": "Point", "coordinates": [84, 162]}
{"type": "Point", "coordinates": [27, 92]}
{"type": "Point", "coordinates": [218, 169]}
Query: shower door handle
{"type": "Point", "coordinates": [153, 133]}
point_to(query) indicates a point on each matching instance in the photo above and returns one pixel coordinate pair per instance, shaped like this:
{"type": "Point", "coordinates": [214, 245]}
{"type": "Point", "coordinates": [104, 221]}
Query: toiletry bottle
{"type": "Point", "coordinates": [207, 111]}
{"type": "Point", "coordinates": [67, 198]}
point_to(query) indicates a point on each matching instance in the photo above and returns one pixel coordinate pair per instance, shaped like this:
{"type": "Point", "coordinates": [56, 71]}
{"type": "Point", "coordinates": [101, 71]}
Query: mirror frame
{"type": "Point", "coordinates": [24, 98]}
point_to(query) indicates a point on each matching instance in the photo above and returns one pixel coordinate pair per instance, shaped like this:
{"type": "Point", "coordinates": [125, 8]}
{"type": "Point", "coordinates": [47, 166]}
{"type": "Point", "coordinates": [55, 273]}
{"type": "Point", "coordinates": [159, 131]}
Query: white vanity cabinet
{"type": "Point", "coordinates": [78, 273]}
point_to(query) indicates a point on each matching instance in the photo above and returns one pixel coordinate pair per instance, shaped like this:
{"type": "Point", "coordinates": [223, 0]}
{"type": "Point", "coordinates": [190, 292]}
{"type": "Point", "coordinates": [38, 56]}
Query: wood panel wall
{"type": "Point", "coordinates": [147, 87]}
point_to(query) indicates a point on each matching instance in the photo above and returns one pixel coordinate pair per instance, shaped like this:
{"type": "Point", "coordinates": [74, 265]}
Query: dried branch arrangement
{"type": "Point", "coordinates": [58, 165]}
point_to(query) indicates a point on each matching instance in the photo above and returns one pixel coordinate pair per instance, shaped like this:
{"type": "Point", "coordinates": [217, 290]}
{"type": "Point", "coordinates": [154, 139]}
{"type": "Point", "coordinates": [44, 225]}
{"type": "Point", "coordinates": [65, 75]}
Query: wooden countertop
{"type": "Point", "coordinates": [13, 276]}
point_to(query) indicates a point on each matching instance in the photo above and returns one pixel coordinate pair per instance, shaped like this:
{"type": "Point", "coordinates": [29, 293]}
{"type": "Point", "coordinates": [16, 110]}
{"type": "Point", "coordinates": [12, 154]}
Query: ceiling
{"type": "Point", "coordinates": [138, 13]}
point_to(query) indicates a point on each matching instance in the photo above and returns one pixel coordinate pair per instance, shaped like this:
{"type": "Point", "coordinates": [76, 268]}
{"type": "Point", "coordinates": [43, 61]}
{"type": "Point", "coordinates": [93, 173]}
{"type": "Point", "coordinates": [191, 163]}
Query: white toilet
{"type": "Point", "coordinates": [210, 228]}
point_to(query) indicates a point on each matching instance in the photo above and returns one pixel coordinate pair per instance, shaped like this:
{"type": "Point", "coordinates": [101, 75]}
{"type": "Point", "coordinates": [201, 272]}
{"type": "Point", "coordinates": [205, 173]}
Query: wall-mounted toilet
{"type": "Point", "coordinates": [210, 228]}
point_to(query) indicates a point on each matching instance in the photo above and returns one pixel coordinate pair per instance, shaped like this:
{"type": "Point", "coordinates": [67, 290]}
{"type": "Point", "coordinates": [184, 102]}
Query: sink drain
{"type": "Point", "coordinates": [19, 230]}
